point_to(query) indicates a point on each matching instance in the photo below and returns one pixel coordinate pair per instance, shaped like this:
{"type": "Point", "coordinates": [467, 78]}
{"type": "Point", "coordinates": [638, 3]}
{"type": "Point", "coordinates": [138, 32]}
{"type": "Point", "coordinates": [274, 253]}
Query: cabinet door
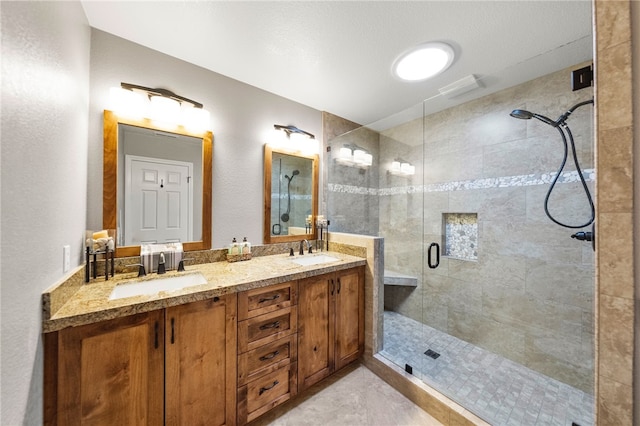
{"type": "Point", "coordinates": [315, 329]}
{"type": "Point", "coordinates": [349, 316]}
{"type": "Point", "coordinates": [201, 362]}
{"type": "Point", "coordinates": [111, 373]}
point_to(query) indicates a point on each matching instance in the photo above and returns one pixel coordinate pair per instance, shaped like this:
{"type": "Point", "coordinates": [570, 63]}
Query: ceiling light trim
{"type": "Point", "coordinates": [423, 61]}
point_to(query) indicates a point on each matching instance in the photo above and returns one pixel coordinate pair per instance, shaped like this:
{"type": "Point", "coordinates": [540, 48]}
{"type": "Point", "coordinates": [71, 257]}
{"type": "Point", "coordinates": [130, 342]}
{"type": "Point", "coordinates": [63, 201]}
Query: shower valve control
{"type": "Point", "coordinates": [583, 236]}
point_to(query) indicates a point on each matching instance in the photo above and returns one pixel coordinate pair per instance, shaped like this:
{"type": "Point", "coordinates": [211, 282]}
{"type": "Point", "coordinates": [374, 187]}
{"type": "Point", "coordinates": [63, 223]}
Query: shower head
{"type": "Point", "coordinates": [522, 114]}
{"type": "Point", "coordinates": [527, 115]}
{"type": "Point", "coordinates": [293, 173]}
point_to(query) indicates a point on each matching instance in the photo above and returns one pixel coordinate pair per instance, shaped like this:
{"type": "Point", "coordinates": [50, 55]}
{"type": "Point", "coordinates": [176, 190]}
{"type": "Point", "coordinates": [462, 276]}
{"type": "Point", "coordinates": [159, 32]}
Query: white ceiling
{"type": "Point", "coordinates": [337, 56]}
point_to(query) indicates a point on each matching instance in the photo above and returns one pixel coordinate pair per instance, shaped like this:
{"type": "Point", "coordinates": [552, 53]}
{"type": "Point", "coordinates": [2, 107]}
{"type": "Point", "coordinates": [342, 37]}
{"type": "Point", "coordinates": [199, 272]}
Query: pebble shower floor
{"type": "Point", "coordinates": [500, 391]}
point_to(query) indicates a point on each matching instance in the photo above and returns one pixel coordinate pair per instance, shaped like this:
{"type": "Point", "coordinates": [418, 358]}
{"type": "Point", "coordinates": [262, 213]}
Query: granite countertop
{"type": "Point", "coordinates": [90, 303]}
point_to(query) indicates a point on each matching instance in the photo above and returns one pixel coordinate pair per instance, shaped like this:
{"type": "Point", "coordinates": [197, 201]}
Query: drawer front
{"type": "Point", "coordinates": [261, 395]}
{"type": "Point", "coordinates": [266, 359]}
{"type": "Point", "coordinates": [260, 301]}
{"type": "Point", "coordinates": [267, 328]}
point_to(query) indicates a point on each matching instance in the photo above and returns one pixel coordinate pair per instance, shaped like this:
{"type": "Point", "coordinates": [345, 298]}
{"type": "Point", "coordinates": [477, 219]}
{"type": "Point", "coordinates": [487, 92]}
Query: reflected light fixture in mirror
{"type": "Point", "coordinates": [163, 107]}
{"type": "Point", "coordinates": [293, 139]}
{"type": "Point", "coordinates": [353, 155]}
{"type": "Point", "coordinates": [402, 168]}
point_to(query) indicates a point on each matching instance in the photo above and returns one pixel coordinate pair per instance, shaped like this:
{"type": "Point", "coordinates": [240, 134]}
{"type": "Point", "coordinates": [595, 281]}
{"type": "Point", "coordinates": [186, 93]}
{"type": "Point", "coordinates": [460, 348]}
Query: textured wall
{"type": "Point", "coordinates": [45, 96]}
{"type": "Point", "coordinates": [242, 119]}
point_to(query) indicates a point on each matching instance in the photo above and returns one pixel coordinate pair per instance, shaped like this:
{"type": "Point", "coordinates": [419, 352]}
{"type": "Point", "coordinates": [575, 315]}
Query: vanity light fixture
{"type": "Point", "coordinates": [160, 105]}
{"type": "Point", "coordinates": [400, 167]}
{"type": "Point", "coordinates": [353, 155]}
{"type": "Point", "coordinates": [293, 139]}
{"type": "Point", "coordinates": [423, 61]}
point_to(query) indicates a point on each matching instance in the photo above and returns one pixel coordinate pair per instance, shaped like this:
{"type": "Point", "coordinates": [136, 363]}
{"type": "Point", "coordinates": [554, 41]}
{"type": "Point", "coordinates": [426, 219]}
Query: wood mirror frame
{"type": "Point", "coordinates": [110, 179]}
{"type": "Point", "coordinates": [268, 237]}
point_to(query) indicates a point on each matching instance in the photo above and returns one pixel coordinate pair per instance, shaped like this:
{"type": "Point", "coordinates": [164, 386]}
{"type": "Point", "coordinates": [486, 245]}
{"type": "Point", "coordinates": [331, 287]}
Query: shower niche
{"type": "Point", "coordinates": [460, 235]}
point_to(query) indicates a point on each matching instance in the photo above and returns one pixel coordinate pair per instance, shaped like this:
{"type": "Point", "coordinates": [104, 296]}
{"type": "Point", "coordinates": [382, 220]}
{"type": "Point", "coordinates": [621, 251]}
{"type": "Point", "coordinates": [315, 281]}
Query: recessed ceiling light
{"type": "Point", "coordinates": [423, 61]}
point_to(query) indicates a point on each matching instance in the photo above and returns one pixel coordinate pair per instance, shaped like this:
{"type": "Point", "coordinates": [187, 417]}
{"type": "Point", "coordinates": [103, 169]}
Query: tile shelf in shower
{"type": "Point", "coordinates": [396, 278]}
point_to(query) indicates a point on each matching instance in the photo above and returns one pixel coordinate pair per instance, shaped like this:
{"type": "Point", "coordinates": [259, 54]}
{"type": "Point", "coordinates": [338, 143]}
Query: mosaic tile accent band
{"type": "Point", "coordinates": [284, 196]}
{"type": "Point", "coordinates": [497, 182]}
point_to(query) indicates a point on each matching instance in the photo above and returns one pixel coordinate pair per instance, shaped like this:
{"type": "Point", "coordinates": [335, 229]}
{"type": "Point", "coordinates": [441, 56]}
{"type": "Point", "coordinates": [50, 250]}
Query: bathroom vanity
{"type": "Point", "coordinates": [225, 352]}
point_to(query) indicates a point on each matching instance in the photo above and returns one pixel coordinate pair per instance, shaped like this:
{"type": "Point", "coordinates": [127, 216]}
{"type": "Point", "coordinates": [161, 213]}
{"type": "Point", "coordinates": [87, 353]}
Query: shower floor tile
{"type": "Point", "coordinates": [500, 391]}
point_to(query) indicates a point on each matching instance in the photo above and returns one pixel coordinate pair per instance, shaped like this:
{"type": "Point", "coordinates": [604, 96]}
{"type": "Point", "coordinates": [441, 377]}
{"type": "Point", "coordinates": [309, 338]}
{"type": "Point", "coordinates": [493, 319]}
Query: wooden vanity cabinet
{"type": "Point", "coordinates": [169, 366]}
{"type": "Point", "coordinates": [267, 349]}
{"type": "Point", "coordinates": [330, 324]}
{"type": "Point", "coordinates": [200, 362]}
{"type": "Point", "coordinates": [108, 373]}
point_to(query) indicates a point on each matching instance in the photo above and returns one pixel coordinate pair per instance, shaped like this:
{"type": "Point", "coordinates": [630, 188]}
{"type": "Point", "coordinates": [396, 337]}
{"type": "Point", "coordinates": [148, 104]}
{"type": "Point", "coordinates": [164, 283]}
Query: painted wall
{"type": "Point", "coordinates": [242, 117]}
{"type": "Point", "coordinates": [45, 98]}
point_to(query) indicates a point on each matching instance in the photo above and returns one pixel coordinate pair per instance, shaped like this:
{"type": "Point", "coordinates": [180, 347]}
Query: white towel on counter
{"type": "Point", "coordinates": [150, 255]}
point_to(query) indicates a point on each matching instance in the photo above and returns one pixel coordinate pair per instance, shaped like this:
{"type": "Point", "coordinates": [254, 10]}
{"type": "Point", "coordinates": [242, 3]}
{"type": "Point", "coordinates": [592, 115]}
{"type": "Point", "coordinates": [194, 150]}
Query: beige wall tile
{"type": "Point", "coordinates": [613, 73]}
{"type": "Point", "coordinates": [616, 339]}
{"type": "Point", "coordinates": [615, 254]}
{"type": "Point", "coordinates": [612, 23]}
{"type": "Point", "coordinates": [615, 168]}
{"type": "Point", "coordinates": [615, 403]}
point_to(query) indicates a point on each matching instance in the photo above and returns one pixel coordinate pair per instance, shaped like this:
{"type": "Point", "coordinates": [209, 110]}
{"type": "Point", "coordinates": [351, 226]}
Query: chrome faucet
{"type": "Point", "coordinates": [302, 247]}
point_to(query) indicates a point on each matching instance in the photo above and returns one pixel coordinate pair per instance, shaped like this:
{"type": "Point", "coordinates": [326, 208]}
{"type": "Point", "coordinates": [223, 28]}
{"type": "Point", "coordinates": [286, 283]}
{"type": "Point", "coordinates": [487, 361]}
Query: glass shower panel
{"type": "Point", "coordinates": [509, 308]}
{"type": "Point", "coordinates": [401, 225]}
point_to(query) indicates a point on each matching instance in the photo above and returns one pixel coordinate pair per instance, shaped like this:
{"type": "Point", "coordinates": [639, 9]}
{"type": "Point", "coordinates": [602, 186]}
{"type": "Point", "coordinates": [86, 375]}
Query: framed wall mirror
{"type": "Point", "coordinates": [156, 185]}
{"type": "Point", "coordinates": [290, 196]}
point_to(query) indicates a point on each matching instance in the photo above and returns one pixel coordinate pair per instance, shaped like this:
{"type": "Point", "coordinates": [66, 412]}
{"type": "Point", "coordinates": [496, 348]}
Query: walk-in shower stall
{"type": "Point", "coordinates": [486, 299]}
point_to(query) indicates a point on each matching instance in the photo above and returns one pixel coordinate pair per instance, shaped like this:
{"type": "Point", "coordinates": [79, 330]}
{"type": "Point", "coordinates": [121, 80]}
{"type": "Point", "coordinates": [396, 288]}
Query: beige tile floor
{"type": "Point", "coordinates": [352, 397]}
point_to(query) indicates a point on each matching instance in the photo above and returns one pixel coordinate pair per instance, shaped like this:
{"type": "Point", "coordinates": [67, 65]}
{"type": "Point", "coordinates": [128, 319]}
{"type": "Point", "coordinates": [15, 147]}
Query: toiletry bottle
{"type": "Point", "coordinates": [233, 247]}
{"type": "Point", "coordinates": [246, 246]}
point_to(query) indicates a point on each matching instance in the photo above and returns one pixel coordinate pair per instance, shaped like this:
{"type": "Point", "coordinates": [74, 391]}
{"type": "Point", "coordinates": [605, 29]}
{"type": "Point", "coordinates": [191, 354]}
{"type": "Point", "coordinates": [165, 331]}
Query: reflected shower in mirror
{"type": "Point", "coordinates": [290, 196]}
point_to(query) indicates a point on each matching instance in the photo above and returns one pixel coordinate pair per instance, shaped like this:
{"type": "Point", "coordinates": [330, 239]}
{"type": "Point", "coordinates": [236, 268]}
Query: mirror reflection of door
{"type": "Point", "coordinates": [155, 219]}
{"type": "Point", "coordinates": [158, 200]}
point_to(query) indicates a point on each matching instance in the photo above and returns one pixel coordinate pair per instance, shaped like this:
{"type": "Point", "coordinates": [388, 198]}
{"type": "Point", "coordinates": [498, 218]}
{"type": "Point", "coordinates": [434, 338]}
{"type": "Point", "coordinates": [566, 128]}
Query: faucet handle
{"type": "Point", "coordinates": [161, 266]}
{"type": "Point", "coordinates": [141, 270]}
{"type": "Point", "coordinates": [181, 265]}
{"type": "Point", "coordinates": [310, 249]}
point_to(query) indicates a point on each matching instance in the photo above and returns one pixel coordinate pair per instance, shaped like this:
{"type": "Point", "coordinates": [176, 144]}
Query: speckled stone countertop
{"type": "Point", "coordinates": [90, 303]}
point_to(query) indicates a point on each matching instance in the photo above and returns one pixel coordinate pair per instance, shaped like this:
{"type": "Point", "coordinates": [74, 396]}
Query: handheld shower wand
{"type": "Point", "coordinates": [285, 216]}
{"type": "Point", "coordinates": [562, 127]}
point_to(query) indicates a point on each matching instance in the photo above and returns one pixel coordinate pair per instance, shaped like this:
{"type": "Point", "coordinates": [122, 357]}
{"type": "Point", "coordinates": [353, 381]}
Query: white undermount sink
{"type": "Point", "coordinates": [314, 260]}
{"type": "Point", "coordinates": [146, 288]}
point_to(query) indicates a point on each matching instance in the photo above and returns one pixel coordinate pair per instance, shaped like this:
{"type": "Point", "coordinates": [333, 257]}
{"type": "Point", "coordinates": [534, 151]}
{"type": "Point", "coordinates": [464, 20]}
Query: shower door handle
{"type": "Point", "coordinates": [429, 258]}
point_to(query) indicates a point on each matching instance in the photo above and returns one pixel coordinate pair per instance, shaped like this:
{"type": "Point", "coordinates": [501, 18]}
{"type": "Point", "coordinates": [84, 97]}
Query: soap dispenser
{"type": "Point", "coordinates": [246, 246]}
{"type": "Point", "coordinates": [233, 247]}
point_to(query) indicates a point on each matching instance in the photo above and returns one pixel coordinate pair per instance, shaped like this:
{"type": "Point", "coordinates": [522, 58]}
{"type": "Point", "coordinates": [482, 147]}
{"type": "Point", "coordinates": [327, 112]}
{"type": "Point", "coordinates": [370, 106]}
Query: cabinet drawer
{"type": "Point", "coordinates": [261, 395]}
{"type": "Point", "coordinates": [266, 359]}
{"type": "Point", "coordinates": [266, 328]}
{"type": "Point", "coordinates": [260, 301]}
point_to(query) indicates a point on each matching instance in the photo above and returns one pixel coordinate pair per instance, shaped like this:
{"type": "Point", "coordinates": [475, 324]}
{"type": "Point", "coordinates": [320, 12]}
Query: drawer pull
{"type": "Point", "coordinates": [272, 325]}
{"type": "Point", "coordinates": [269, 356]}
{"type": "Point", "coordinates": [268, 299]}
{"type": "Point", "coordinates": [266, 388]}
